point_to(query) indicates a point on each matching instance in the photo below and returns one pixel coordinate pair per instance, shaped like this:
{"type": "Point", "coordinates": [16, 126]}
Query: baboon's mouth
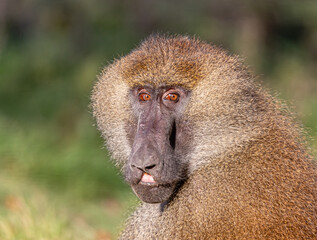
{"type": "Point", "coordinates": [147, 179]}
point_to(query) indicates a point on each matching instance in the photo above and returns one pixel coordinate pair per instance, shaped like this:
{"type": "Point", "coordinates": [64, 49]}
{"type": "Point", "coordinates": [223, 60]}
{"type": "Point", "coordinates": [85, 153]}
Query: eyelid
{"type": "Point", "coordinates": [141, 96]}
{"type": "Point", "coordinates": [142, 90]}
{"type": "Point", "coordinates": [166, 95]}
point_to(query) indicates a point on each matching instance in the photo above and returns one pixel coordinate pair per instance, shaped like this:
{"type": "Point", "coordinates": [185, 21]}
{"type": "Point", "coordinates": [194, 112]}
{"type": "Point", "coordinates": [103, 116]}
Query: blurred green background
{"type": "Point", "coordinates": [56, 180]}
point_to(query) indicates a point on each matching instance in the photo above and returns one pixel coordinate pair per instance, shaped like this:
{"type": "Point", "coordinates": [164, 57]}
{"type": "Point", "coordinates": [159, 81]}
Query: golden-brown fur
{"type": "Point", "coordinates": [250, 176]}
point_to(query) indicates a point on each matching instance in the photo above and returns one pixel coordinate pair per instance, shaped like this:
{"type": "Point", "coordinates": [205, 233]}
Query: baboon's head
{"type": "Point", "coordinates": [161, 107]}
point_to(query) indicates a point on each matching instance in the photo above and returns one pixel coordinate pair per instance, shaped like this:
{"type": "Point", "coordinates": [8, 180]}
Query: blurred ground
{"type": "Point", "coordinates": [56, 181]}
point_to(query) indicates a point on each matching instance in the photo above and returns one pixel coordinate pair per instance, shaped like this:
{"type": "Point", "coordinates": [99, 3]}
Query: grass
{"type": "Point", "coordinates": [56, 188]}
{"type": "Point", "coordinates": [29, 212]}
{"type": "Point", "coordinates": [31, 217]}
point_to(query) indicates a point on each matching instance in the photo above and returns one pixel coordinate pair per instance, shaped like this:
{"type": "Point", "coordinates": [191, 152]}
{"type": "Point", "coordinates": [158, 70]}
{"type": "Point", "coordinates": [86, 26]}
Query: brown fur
{"type": "Point", "coordinates": [250, 177]}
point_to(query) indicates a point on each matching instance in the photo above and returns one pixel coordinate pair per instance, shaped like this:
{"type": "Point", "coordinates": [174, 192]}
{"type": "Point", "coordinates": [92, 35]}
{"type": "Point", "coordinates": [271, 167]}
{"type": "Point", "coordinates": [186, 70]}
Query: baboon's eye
{"type": "Point", "coordinates": [171, 97]}
{"type": "Point", "coordinates": [144, 97]}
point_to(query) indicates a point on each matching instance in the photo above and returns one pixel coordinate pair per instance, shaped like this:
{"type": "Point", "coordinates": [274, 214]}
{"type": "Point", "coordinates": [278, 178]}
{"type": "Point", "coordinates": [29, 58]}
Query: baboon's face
{"type": "Point", "coordinates": [154, 167]}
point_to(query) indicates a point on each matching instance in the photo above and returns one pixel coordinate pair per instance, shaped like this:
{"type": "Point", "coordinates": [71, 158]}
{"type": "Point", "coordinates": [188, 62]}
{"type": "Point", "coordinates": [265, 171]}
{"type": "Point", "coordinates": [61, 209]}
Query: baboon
{"type": "Point", "coordinates": [211, 154]}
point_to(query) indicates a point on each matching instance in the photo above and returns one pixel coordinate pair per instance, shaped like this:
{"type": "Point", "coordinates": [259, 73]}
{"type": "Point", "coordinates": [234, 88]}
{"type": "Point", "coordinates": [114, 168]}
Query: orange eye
{"type": "Point", "coordinates": [172, 97]}
{"type": "Point", "coordinates": [144, 97]}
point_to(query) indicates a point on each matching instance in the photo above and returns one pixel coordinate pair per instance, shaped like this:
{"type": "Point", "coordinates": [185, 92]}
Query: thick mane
{"type": "Point", "coordinates": [248, 173]}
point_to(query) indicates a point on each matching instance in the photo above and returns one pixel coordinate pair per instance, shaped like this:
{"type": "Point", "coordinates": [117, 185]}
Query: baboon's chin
{"type": "Point", "coordinates": [153, 194]}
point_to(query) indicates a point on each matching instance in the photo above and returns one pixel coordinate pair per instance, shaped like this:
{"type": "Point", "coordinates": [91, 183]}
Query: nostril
{"type": "Point", "coordinates": [143, 168]}
{"type": "Point", "coordinates": [150, 166]}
